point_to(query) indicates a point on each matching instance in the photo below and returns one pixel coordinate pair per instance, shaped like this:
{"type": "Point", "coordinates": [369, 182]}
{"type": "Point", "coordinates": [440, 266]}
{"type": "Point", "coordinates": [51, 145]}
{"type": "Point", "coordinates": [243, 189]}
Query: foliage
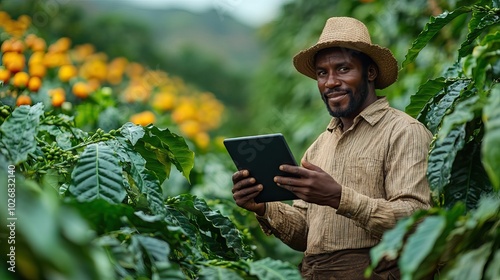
{"type": "Point", "coordinates": [111, 212]}
{"type": "Point", "coordinates": [459, 238]}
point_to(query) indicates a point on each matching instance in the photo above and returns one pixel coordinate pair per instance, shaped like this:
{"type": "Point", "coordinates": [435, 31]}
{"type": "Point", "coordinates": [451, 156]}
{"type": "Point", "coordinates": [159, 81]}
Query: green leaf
{"type": "Point", "coordinates": [479, 21]}
{"type": "Point", "coordinates": [432, 28]}
{"type": "Point", "coordinates": [469, 265]}
{"type": "Point", "coordinates": [160, 148]}
{"type": "Point", "coordinates": [468, 180]}
{"type": "Point", "coordinates": [491, 148]}
{"type": "Point", "coordinates": [156, 249]}
{"type": "Point", "coordinates": [493, 269]}
{"type": "Point", "coordinates": [97, 175]}
{"type": "Point", "coordinates": [424, 95]}
{"type": "Point", "coordinates": [19, 130]}
{"type": "Point", "coordinates": [135, 165]}
{"type": "Point", "coordinates": [227, 228]}
{"type": "Point", "coordinates": [442, 156]}
{"type": "Point", "coordinates": [393, 240]}
{"type": "Point", "coordinates": [442, 106]}
{"type": "Point", "coordinates": [132, 132]}
{"type": "Point", "coordinates": [218, 273]}
{"type": "Point", "coordinates": [487, 58]}
{"type": "Point", "coordinates": [420, 245]}
{"type": "Point", "coordinates": [274, 269]}
{"type": "Point", "coordinates": [103, 216]}
{"type": "Point", "coordinates": [218, 234]}
{"type": "Point", "coordinates": [464, 112]}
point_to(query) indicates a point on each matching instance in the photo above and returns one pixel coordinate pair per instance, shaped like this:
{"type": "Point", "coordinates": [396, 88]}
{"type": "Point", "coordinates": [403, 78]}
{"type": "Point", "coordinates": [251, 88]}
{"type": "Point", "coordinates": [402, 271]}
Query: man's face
{"type": "Point", "coordinates": [342, 82]}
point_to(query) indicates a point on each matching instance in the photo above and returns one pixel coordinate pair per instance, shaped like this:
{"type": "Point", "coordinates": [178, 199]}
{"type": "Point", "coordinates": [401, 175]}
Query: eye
{"type": "Point", "coordinates": [320, 73]}
{"type": "Point", "coordinates": [343, 69]}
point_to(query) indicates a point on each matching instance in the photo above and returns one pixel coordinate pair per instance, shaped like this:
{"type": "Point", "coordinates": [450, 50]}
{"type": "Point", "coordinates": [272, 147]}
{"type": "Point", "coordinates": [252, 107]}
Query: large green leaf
{"type": "Point", "coordinates": [419, 246]}
{"type": "Point", "coordinates": [219, 235]}
{"type": "Point", "coordinates": [218, 273]}
{"type": "Point", "coordinates": [432, 28]}
{"type": "Point", "coordinates": [135, 165]}
{"type": "Point", "coordinates": [274, 269]}
{"type": "Point", "coordinates": [491, 140]}
{"type": "Point", "coordinates": [425, 93]}
{"type": "Point", "coordinates": [465, 110]}
{"type": "Point", "coordinates": [19, 130]}
{"type": "Point", "coordinates": [393, 240]}
{"type": "Point", "coordinates": [132, 132]}
{"type": "Point", "coordinates": [493, 270]}
{"type": "Point", "coordinates": [160, 148]}
{"type": "Point", "coordinates": [97, 175]}
{"type": "Point", "coordinates": [158, 252]}
{"type": "Point", "coordinates": [480, 20]}
{"type": "Point", "coordinates": [441, 158]}
{"type": "Point", "coordinates": [103, 216]}
{"type": "Point", "coordinates": [469, 265]}
{"type": "Point", "coordinates": [482, 64]}
{"type": "Point", "coordinates": [228, 230]}
{"type": "Point", "coordinates": [442, 106]}
{"type": "Point", "coordinates": [468, 180]}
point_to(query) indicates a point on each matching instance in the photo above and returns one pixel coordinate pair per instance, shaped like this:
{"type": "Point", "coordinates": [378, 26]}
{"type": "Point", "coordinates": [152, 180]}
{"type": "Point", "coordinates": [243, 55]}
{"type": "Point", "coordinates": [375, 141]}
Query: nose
{"type": "Point", "coordinates": [332, 81]}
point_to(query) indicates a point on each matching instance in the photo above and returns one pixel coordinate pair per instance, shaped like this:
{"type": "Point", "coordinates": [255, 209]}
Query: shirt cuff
{"type": "Point", "coordinates": [352, 205]}
{"type": "Point", "coordinates": [265, 220]}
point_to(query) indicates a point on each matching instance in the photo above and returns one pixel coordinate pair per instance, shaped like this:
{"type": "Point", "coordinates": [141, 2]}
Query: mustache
{"type": "Point", "coordinates": [335, 90]}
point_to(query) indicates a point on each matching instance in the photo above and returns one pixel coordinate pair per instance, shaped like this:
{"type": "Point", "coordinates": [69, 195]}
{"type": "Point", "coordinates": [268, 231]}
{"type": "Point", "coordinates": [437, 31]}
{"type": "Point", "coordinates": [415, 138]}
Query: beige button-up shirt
{"type": "Point", "coordinates": [380, 162]}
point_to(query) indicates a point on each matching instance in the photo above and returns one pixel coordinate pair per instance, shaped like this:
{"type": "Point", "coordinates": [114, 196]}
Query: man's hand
{"type": "Point", "coordinates": [245, 190]}
{"type": "Point", "coordinates": [312, 185]}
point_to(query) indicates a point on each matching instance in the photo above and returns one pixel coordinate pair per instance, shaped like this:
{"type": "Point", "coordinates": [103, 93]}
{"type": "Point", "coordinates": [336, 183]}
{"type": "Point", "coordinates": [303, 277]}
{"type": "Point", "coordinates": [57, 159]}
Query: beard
{"type": "Point", "coordinates": [355, 100]}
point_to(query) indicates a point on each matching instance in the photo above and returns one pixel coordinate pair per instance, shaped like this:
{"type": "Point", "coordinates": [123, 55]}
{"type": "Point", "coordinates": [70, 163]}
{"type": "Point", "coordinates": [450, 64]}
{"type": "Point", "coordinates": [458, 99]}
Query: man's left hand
{"type": "Point", "coordinates": [312, 185]}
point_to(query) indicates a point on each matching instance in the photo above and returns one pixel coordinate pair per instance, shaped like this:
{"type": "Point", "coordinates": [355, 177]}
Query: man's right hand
{"type": "Point", "coordinates": [245, 190]}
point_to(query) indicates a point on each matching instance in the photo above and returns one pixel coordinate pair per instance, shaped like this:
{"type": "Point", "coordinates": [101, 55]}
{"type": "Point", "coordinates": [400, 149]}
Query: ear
{"type": "Point", "coordinates": [372, 72]}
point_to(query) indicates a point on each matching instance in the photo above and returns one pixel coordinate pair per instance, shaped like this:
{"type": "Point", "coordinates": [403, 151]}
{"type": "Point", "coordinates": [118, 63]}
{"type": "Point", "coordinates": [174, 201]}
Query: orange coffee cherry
{"type": "Point", "coordinates": [81, 90]}
{"type": "Point", "coordinates": [66, 72]}
{"type": "Point", "coordinates": [34, 84]}
{"type": "Point", "coordinates": [23, 100]}
{"type": "Point", "coordinates": [143, 118]}
{"type": "Point", "coordinates": [20, 79]}
{"type": "Point", "coordinates": [58, 96]}
{"type": "Point", "coordinates": [4, 75]}
{"type": "Point", "coordinates": [37, 70]}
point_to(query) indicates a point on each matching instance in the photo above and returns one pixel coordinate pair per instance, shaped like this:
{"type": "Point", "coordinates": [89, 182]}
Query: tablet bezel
{"type": "Point", "coordinates": [262, 155]}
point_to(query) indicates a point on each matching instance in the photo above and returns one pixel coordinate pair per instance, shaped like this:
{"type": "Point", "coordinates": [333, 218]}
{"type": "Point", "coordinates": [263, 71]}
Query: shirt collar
{"type": "Point", "coordinates": [371, 114]}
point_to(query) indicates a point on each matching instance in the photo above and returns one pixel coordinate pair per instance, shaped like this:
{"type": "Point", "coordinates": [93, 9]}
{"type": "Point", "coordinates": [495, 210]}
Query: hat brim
{"type": "Point", "coordinates": [386, 62]}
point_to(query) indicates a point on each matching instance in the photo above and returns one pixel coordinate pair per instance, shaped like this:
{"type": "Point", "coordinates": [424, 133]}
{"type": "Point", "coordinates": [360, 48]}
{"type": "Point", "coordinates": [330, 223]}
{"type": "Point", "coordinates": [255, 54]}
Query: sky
{"type": "Point", "coordinates": [251, 12]}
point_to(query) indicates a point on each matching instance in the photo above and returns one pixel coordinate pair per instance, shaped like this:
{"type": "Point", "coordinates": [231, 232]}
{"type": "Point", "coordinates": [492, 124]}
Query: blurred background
{"type": "Point", "coordinates": [237, 57]}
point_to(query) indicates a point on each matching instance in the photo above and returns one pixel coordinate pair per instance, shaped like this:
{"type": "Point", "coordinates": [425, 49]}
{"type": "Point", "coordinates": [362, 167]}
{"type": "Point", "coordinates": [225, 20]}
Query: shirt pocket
{"type": "Point", "coordinates": [366, 176]}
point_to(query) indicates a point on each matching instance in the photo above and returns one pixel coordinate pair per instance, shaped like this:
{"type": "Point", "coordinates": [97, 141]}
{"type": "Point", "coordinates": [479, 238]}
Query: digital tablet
{"type": "Point", "coordinates": [262, 155]}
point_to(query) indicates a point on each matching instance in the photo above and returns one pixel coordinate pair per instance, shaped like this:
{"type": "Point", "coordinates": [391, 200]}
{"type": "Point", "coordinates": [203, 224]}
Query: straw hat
{"type": "Point", "coordinates": [352, 34]}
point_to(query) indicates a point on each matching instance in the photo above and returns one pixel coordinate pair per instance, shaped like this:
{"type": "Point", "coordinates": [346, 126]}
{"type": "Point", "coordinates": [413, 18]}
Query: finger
{"type": "Point", "coordinates": [239, 175]}
{"type": "Point", "coordinates": [291, 169]}
{"type": "Point", "coordinates": [247, 194]}
{"type": "Point", "coordinates": [243, 184]}
{"type": "Point", "coordinates": [287, 181]}
{"type": "Point", "coordinates": [310, 166]}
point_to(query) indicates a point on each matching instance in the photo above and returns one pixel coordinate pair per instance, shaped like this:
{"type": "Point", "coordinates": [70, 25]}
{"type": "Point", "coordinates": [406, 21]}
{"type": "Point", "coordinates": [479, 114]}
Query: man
{"type": "Point", "coordinates": [361, 175]}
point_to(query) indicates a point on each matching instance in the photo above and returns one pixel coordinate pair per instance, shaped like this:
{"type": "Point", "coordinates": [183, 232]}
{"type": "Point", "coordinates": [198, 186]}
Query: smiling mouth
{"type": "Point", "coordinates": [336, 97]}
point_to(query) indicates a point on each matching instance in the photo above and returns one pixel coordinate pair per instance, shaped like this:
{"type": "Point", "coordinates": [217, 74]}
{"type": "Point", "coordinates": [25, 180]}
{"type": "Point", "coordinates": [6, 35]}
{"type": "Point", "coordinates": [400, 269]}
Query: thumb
{"type": "Point", "coordinates": [310, 166]}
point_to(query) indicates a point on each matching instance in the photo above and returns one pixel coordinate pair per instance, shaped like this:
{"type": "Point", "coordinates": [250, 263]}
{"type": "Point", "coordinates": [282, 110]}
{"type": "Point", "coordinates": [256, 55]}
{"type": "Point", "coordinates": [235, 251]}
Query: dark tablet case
{"type": "Point", "coordinates": [262, 155]}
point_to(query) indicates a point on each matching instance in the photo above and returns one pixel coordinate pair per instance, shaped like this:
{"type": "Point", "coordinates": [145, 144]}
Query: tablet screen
{"type": "Point", "coordinates": [262, 155]}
